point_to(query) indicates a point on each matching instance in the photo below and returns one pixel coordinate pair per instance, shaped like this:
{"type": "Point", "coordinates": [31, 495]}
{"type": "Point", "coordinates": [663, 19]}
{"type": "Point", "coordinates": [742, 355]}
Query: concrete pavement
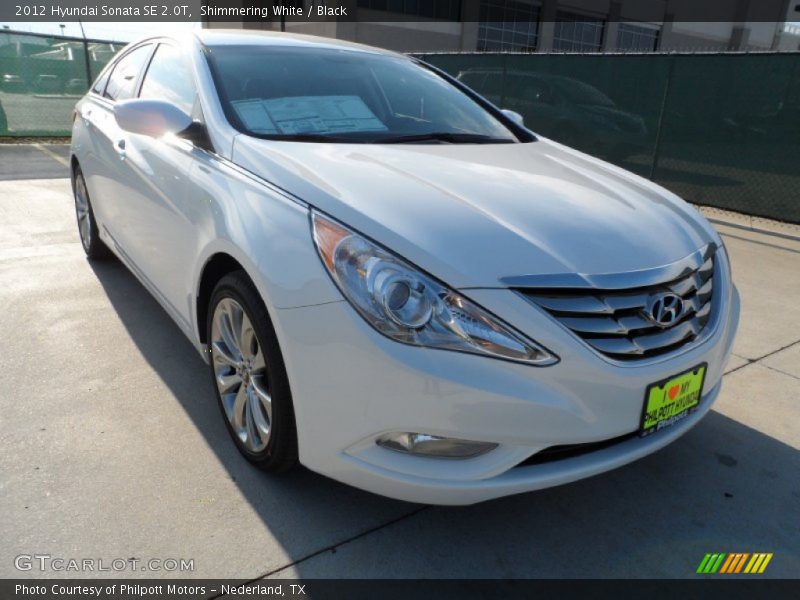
{"type": "Point", "coordinates": [34, 161]}
{"type": "Point", "coordinates": [113, 447]}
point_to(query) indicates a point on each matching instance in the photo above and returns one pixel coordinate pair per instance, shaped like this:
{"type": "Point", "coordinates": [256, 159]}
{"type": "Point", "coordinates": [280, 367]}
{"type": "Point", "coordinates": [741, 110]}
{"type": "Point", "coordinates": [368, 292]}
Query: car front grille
{"type": "Point", "coordinates": [619, 322]}
{"type": "Point", "coordinates": [554, 453]}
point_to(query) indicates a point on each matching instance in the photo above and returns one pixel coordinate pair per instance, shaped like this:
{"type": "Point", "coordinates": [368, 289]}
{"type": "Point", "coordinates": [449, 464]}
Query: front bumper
{"type": "Point", "coordinates": [352, 385]}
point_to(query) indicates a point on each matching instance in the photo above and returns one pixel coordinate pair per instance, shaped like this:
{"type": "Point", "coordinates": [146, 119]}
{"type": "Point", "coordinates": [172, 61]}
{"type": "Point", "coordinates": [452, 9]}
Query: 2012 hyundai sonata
{"type": "Point", "coordinates": [393, 281]}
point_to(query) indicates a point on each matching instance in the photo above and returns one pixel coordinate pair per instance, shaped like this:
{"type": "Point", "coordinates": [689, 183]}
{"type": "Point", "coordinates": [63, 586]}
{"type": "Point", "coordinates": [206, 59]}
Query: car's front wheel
{"type": "Point", "coordinates": [87, 226]}
{"type": "Point", "coordinates": [249, 375]}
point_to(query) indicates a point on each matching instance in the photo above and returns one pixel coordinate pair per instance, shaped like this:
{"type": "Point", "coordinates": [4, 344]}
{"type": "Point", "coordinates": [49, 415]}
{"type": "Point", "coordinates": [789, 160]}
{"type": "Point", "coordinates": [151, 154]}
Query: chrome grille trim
{"type": "Point", "coordinates": [613, 321]}
{"type": "Point", "coordinates": [615, 281]}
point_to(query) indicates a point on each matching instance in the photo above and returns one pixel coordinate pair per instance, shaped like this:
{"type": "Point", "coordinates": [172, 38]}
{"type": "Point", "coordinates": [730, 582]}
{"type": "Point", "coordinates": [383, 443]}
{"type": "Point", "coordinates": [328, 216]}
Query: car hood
{"type": "Point", "coordinates": [474, 215]}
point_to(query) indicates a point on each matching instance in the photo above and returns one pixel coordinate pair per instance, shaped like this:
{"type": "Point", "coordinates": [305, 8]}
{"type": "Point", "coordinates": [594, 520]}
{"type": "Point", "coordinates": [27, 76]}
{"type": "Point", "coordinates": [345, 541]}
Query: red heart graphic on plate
{"type": "Point", "coordinates": [673, 391]}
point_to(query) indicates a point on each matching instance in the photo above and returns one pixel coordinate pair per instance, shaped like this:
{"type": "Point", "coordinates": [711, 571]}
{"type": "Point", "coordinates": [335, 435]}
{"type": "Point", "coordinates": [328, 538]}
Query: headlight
{"type": "Point", "coordinates": [408, 306]}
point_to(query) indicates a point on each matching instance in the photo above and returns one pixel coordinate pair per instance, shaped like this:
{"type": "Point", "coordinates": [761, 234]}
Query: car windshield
{"type": "Point", "coordinates": [341, 95]}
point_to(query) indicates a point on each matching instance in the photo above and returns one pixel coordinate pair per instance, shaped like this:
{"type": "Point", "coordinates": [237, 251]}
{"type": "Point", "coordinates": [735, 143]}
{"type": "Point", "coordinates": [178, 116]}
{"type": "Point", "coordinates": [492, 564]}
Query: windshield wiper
{"type": "Point", "coordinates": [357, 138]}
{"type": "Point", "coordinates": [308, 137]}
{"type": "Point", "coordinates": [442, 136]}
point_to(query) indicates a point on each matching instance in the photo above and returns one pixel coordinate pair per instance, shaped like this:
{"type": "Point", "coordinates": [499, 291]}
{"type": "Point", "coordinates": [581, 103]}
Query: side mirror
{"type": "Point", "coordinates": [151, 117]}
{"type": "Point", "coordinates": [514, 116]}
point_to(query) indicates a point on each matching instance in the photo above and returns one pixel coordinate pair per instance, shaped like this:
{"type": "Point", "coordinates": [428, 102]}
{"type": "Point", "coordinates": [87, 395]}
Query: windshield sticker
{"type": "Point", "coordinates": [254, 116]}
{"type": "Point", "coordinates": [321, 114]}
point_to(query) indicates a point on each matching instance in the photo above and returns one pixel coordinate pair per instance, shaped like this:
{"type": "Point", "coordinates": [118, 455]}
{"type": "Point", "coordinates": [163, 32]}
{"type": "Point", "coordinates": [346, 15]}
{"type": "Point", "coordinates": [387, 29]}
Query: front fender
{"type": "Point", "coordinates": [265, 231]}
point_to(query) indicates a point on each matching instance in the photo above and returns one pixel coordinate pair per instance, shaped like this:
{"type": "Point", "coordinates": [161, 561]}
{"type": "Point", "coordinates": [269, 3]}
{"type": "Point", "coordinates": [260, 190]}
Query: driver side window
{"type": "Point", "coordinates": [122, 82]}
{"type": "Point", "coordinates": [169, 78]}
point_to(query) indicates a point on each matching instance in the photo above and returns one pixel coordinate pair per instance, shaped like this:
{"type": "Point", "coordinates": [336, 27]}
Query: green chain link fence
{"type": "Point", "coordinates": [720, 130]}
{"type": "Point", "coordinates": [41, 79]}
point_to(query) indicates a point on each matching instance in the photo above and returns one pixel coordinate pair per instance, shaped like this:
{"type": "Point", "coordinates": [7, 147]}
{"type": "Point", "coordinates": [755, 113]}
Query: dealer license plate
{"type": "Point", "coordinates": [671, 400]}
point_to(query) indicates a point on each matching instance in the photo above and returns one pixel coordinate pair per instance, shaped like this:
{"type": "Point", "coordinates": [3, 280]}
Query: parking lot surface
{"type": "Point", "coordinates": [34, 161]}
{"type": "Point", "coordinates": [113, 447]}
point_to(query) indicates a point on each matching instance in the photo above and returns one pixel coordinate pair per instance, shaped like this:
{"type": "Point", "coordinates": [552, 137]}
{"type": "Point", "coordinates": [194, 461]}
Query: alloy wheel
{"type": "Point", "coordinates": [84, 214]}
{"type": "Point", "coordinates": [241, 375]}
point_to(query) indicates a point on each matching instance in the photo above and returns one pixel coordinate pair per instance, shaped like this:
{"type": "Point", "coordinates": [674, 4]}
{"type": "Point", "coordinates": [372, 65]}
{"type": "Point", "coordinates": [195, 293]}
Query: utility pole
{"type": "Point", "coordinates": [86, 60]}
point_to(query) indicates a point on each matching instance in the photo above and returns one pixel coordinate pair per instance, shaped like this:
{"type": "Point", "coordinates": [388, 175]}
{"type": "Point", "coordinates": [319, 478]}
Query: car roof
{"type": "Point", "coordinates": [249, 37]}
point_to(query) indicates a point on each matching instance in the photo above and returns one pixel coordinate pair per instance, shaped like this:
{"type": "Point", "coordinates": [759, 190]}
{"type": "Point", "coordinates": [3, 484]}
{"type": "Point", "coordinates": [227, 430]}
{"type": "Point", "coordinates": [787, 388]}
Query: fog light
{"type": "Point", "coordinates": [423, 444]}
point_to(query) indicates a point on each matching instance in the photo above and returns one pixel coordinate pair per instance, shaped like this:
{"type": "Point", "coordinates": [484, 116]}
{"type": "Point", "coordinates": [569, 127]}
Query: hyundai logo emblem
{"type": "Point", "coordinates": [664, 310]}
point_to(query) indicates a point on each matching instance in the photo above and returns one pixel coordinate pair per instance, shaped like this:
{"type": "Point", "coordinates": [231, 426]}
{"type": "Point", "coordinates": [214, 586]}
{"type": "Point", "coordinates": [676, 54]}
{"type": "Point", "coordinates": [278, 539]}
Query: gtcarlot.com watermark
{"type": "Point", "coordinates": [59, 564]}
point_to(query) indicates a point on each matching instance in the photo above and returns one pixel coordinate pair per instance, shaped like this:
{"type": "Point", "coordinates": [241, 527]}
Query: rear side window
{"type": "Point", "coordinates": [169, 78]}
{"type": "Point", "coordinates": [100, 84]}
{"type": "Point", "coordinates": [122, 83]}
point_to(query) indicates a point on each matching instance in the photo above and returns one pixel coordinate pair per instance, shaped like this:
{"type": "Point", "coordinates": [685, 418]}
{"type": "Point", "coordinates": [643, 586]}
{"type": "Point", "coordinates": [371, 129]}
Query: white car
{"type": "Point", "coordinates": [394, 282]}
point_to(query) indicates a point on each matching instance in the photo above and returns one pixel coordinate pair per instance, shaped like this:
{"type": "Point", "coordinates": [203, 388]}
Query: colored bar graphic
{"type": "Point", "coordinates": [740, 564]}
{"type": "Point", "coordinates": [754, 561]}
{"type": "Point", "coordinates": [728, 563]}
{"type": "Point", "coordinates": [703, 563]}
{"type": "Point", "coordinates": [712, 560]}
{"type": "Point", "coordinates": [764, 564]}
{"type": "Point", "coordinates": [717, 563]}
{"type": "Point", "coordinates": [710, 563]}
{"type": "Point", "coordinates": [734, 563]}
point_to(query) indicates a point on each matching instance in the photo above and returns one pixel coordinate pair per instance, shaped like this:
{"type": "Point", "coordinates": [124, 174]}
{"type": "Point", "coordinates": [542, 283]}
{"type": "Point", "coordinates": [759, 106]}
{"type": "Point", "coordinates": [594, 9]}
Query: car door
{"type": "Point", "coordinates": [104, 159]}
{"type": "Point", "coordinates": [160, 214]}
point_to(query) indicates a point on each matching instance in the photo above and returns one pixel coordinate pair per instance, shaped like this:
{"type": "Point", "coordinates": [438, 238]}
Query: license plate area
{"type": "Point", "coordinates": [671, 400]}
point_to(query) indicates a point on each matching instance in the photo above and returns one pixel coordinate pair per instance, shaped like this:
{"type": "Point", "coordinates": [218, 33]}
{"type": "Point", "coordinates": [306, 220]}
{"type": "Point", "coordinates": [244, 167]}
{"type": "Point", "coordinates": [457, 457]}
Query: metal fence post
{"type": "Point", "coordinates": [503, 85]}
{"type": "Point", "coordinates": [87, 62]}
{"type": "Point", "coordinates": [664, 97]}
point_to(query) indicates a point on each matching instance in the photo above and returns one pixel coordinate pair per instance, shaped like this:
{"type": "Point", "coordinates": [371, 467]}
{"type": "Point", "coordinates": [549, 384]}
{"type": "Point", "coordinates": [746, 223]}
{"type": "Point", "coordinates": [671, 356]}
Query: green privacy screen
{"type": "Point", "coordinates": [717, 129]}
{"type": "Point", "coordinates": [41, 79]}
{"type": "Point", "coordinates": [721, 130]}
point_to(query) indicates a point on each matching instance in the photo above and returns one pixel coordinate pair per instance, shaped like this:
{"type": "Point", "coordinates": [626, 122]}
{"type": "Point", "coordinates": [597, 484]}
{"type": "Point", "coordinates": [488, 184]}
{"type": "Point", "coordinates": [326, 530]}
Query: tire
{"type": "Point", "coordinates": [93, 246]}
{"type": "Point", "coordinates": [247, 369]}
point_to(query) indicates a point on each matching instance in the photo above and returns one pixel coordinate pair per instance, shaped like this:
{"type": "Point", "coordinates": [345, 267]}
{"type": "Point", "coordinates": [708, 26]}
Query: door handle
{"type": "Point", "coordinates": [120, 148]}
